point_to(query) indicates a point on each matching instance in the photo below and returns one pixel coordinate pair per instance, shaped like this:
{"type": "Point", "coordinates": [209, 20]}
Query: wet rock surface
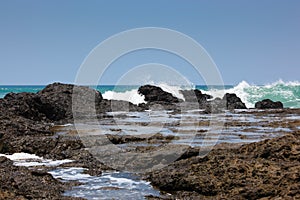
{"type": "Point", "coordinates": [123, 139]}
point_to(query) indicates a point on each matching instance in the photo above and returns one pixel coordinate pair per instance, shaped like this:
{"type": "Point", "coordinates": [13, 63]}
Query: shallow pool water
{"type": "Point", "coordinates": [110, 185]}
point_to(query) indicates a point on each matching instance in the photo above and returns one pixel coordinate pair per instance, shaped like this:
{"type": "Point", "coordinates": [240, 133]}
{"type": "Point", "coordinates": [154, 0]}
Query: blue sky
{"type": "Point", "coordinates": [45, 41]}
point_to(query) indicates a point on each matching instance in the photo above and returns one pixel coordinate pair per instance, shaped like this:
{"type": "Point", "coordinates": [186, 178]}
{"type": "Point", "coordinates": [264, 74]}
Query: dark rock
{"type": "Point", "coordinates": [117, 105]}
{"type": "Point", "coordinates": [215, 106]}
{"type": "Point", "coordinates": [1, 142]}
{"type": "Point", "coordinates": [156, 138]}
{"type": "Point", "coordinates": [53, 103]}
{"type": "Point", "coordinates": [190, 152]}
{"type": "Point", "coordinates": [23, 183]}
{"type": "Point", "coordinates": [156, 94]}
{"type": "Point", "coordinates": [233, 102]}
{"type": "Point", "coordinates": [229, 101]}
{"type": "Point", "coordinates": [267, 169]}
{"type": "Point", "coordinates": [268, 104]}
{"type": "Point", "coordinates": [191, 96]}
{"type": "Point", "coordinates": [122, 139]}
{"type": "Point", "coordinates": [162, 106]}
{"type": "Point", "coordinates": [58, 98]}
{"type": "Point", "coordinates": [24, 104]}
{"type": "Point", "coordinates": [195, 95]}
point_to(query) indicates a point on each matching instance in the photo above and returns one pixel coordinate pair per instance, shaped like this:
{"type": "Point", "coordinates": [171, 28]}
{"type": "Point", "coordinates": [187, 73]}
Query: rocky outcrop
{"type": "Point", "coordinates": [57, 102]}
{"type": "Point", "coordinates": [53, 103]}
{"type": "Point", "coordinates": [268, 104]}
{"type": "Point", "coordinates": [229, 101]}
{"type": "Point", "coordinates": [267, 169]}
{"type": "Point", "coordinates": [58, 99]}
{"type": "Point", "coordinates": [157, 95]}
{"type": "Point", "coordinates": [233, 102]}
{"type": "Point", "coordinates": [196, 96]}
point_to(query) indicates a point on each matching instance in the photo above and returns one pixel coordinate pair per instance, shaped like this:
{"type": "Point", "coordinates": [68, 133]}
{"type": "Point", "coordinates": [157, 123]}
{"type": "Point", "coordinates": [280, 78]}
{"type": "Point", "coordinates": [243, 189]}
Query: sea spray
{"type": "Point", "coordinates": [132, 96]}
{"type": "Point", "coordinates": [286, 92]}
{"type": "Point", "coordinates": [239, 90]}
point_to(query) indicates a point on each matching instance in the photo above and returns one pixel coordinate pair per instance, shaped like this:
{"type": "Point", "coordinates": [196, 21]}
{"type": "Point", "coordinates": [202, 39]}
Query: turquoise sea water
{"type": "Point", "coordinates": [286, 92]}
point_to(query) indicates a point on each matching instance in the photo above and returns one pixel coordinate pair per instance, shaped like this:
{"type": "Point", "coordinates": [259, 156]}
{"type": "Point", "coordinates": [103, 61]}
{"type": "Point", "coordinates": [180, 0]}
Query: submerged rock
{"type": "Point", "coordinates": [268, 104]}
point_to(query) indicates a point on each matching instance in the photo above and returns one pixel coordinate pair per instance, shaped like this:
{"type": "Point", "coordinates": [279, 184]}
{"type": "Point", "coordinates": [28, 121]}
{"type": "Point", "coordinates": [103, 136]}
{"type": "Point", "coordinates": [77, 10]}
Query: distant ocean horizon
{"type": "Point", "coordinates": [286, 92]}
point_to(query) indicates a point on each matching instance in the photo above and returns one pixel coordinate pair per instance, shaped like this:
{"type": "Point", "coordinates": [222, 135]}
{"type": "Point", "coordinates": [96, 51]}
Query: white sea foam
{"type": "Point", "coordinates": [132, 96]}
{"type": "Point", "coordinates": [286, 92]}
{"type": "Point", "coordinates": [30, 160]}
{"type": "Point", "coordinates": [21, 156]}
{"type": "Point", "coordinates": [71, 174]}
{"type": "Point", "coordinates": [239, 90]}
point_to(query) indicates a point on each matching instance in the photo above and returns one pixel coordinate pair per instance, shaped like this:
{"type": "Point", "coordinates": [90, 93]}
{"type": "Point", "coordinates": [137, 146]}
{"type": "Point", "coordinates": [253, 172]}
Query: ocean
{"type": "Point", "coordinates": [286, 92]}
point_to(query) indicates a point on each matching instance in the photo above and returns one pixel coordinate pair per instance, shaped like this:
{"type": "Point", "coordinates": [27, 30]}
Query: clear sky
{"type": "Point", "coordinates": [45, 41]}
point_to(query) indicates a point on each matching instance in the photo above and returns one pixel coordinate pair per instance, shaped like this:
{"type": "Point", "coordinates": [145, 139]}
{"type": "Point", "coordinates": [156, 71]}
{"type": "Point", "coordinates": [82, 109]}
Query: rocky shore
{"type": "Point", "coordinates": [268, 169]}
{"type": "Point", "coordinates": [28, 123]}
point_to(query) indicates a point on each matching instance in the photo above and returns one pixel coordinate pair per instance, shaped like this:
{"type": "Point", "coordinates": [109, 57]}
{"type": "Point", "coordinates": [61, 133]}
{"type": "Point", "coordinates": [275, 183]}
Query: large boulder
{"type": "Point", "coordinates": [53, 103]}
{"type": "Point", "coordinates": [156, 94]}
{"type": "Point", "coordinates": [268, 104]}
{"type": "Point", "coordinates": [58, 98]}
{"type": "Point", "coordinates": [233, 102]}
